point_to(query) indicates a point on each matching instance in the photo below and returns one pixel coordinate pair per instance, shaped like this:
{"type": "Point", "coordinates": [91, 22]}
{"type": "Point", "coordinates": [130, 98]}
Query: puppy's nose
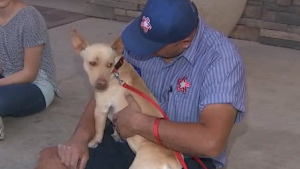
{"type": "Point", "coordinates": [101, 84]}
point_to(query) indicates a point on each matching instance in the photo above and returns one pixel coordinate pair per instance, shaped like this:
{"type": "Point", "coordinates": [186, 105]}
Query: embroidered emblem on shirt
{"type": "Point", "coordinates": [183, 84]}
{"type": "Point", "coordinates": [145, 24]}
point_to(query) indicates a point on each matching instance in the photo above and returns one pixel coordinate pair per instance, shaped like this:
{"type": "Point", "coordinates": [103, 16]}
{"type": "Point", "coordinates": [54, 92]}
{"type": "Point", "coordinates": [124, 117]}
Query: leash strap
{"type": "Point", "coordinates": [118, 64]}
{"type": "Point", "coordinates": [156, 123]}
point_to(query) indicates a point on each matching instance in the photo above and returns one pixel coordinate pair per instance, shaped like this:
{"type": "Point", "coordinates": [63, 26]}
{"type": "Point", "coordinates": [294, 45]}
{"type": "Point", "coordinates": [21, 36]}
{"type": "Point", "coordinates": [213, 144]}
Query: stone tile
{"type": "Point", "coordinates": [257, 3]}
{"type": "Point", "coordinates": [293, 29]}
{"type": "Point", "coordinates": [287, 18]}
{"type": "Point", "coordinates": [124, 18]}
{"type": "Point", "coordinates": [245, 33]}
{"type": "Point", "coordinates": [279, 42]}
{"type": "Point", "coordinates": [280, 8]}
{"type": "Point", "coordinates": [252, 11]}
{"type": "Point", "coordinates": [120, 12]}
{"type": "Point", "coordinates": [141, 7]}
{"type": "Point", "coordinates": [117, 4]}
{"type": "Point", "coordinates": [262, 24]}
{"type": "Point", "coordinates": [284, 2]}
{"type": "Point", "coordinates": [273, 1]}
{"type": "Point", "coordinates": [134, 1]}
{"type": "Point", "coordinates": [268, 15]}
{"type": "Point", "coordinates": [279, 35]}
{"type": "Point", "coordinates": [133, 13]}
{"type": "Point", "coordinates": [296, 2]}
{"type": "Point", "coordinates": [100, 11]}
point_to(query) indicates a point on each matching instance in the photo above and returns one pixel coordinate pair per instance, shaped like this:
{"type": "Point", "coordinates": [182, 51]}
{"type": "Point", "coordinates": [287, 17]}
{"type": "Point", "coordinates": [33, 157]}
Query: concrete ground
{"type": "Point", "coordinates": [267, 138]}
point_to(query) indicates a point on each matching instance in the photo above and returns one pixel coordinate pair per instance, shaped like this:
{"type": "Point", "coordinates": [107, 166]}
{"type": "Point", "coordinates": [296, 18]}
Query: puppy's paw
{"type": "Point", "coordinates": [93, 144]}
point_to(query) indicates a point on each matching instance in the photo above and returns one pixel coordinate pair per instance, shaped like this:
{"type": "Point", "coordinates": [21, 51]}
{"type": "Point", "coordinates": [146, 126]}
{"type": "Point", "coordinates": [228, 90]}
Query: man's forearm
{"type": "Point", "coordinates": [86, 126]}
{"type": "Point", "coordinates": [189, 138]}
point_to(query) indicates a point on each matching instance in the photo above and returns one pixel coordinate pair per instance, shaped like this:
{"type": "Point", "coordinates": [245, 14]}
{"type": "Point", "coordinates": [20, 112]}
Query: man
{"type": "Point", "coordinates": [195, 73]}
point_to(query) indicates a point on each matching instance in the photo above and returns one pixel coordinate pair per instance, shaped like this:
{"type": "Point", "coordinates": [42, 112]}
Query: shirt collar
{"type": "Point", "coordinates": [191, 53]}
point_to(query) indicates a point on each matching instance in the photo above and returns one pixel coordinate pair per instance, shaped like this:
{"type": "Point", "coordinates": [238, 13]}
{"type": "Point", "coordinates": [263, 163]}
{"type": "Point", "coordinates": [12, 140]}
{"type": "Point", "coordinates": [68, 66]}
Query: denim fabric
{"type": "Point", "coordinates": [20, 100]}
{"type": "Point", "coordinates": [116, 155]}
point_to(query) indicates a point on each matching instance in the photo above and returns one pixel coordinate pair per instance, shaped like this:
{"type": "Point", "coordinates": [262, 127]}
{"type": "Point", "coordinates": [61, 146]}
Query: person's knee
{"type": "Point", "coordinates": [48, 159]}
{"type": "Point", "coordinates": [49, 152]}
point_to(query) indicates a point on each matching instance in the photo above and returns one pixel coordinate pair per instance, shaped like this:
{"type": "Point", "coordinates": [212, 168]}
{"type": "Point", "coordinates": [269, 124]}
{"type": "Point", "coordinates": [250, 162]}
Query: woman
{"type": "Point", "coordinates": [27, 71]}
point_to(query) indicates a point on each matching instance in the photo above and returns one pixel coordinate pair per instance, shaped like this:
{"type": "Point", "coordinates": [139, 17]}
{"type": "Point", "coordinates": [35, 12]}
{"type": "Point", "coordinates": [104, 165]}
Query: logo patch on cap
{"type": "Point", "coordinates": [145, 24]}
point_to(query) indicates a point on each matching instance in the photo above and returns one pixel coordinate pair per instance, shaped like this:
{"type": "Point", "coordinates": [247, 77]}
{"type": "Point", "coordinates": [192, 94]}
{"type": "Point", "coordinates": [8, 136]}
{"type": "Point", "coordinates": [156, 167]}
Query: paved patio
{"type": "Point", "coordinates": [267, 138]}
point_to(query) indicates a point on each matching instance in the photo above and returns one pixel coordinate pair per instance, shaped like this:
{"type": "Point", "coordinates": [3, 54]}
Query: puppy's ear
{"type": "Point", "coordinates": [79, 43]}
{"type": "Point", "coordinates": [118, 46]}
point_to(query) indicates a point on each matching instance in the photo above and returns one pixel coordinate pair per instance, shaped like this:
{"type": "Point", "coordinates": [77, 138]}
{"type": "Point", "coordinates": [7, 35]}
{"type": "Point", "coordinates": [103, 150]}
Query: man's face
{"type": "Point", "coordinates": [172, 50]}
{"type": "Point", "coordinates": [175, 49]}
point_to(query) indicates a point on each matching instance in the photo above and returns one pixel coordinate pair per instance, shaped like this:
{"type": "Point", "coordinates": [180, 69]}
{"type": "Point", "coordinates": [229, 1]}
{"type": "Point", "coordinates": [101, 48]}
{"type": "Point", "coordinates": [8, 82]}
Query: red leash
{"type": "Point", "coordinates": [155, 127]}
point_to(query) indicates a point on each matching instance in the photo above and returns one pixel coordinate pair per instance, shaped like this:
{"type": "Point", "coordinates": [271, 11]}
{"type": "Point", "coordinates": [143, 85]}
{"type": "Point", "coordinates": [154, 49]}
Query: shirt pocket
{"type": "Point", "coordinates": [184, 107]}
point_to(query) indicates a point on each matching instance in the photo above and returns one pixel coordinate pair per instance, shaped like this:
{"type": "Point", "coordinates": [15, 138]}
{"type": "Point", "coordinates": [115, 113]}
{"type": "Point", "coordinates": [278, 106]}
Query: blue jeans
{"type": "Point", "coordinates": [20, 100]}
{"type": "Point", "coordinates": [116, 155]}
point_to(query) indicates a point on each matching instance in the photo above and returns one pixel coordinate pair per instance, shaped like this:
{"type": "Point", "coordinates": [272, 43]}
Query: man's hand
{"type": "Point", "coordinates": [126, 119]}
{"type": "Point", "coordinates": [74, 154]}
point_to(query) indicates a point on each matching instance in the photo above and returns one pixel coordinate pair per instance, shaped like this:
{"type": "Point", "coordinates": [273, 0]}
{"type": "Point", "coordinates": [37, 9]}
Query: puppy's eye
{"type": "Point", "coordinates": [93, 63]}
{"type": "Point", "coordinates": [109, 65]}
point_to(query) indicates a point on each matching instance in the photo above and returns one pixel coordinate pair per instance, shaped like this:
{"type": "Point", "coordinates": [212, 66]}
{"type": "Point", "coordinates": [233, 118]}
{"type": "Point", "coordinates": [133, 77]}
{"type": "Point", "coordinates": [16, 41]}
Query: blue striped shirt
{"type": "Point", "coordinates": [209, 71]}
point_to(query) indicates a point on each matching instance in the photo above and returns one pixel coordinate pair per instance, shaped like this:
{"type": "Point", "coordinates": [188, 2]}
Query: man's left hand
{"type": "Point", "coordinates": [126, 119]}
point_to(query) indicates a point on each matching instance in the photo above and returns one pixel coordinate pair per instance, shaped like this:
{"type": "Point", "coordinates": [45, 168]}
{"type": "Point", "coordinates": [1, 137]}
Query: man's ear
{"type": "Point", "coordinates": [185, 43]}
{"type": "Point", "coordinates": [118, 45]}
{"type": "Point", "coordinates": [79, 43]}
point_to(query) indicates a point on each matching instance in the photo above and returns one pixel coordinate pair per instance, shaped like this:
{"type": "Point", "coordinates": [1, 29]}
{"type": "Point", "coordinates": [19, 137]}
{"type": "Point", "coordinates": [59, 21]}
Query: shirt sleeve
{"type": "Point", "coordinates": [34, 31]}
{"type": "Point", "coordinates": [225, 83]}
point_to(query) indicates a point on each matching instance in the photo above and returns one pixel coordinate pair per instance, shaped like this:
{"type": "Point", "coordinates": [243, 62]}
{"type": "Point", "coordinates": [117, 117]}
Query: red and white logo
{"type": "Point", "coordinates": [183, 84]}
{"type": "Point", "coordinates": [145, 24]}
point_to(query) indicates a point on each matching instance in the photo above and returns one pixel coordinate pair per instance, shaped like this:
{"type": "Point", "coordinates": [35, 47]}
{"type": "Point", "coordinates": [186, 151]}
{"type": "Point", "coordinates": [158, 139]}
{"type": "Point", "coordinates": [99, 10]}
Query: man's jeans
{"type": "Point", "coordinates": [20, 100]}
{"type": "Point", "coordinates": [116, 155]}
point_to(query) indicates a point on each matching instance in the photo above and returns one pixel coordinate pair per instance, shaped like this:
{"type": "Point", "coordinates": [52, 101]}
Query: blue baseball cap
{"type": "Point", "coordinates": [161, 22]}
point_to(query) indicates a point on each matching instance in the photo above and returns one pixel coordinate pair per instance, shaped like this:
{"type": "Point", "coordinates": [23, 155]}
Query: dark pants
{"type": "Point", "coordinates": [20, 100]}
{"type": "Point", "coordinates": [115, 155]}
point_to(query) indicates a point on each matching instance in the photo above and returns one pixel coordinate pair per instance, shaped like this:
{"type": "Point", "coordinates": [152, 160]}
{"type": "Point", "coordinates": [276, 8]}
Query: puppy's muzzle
{"type": "Point", "coordinates": [101, 84]}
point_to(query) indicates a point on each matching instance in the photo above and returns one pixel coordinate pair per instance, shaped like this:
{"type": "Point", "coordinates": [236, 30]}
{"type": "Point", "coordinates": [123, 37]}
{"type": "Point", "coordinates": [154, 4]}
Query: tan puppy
{"type": "Point", "coordinates": [98, 62]}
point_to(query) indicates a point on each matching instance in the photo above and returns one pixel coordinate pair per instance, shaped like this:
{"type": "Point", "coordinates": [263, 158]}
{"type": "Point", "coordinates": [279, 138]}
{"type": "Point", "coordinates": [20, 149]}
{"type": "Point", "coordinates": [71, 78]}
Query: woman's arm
{"type": "Point", "coordinates": [32, 60]}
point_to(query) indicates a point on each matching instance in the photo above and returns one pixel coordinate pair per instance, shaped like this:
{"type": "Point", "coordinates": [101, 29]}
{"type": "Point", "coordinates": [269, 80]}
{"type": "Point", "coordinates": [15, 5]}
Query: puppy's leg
{"type": "Point", "coordinates": [118, 106]}
{"type": "Point", "coordinates": [100, 121]}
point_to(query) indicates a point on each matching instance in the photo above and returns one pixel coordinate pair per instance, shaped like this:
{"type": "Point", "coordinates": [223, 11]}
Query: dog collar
{"type": "Point", "coordinates": [118, 65]}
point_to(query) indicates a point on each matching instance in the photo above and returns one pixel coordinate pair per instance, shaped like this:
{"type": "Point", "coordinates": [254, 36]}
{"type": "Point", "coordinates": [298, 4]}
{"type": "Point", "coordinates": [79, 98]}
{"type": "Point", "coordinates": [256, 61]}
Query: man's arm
{"type": "Point", "coordinates": [206, 138]}
{"type": "Point", "coordinates": [85, 130]}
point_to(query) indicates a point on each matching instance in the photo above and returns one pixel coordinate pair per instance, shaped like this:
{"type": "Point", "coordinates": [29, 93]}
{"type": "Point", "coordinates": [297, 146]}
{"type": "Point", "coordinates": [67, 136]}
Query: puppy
{"type": "Point", "coordinates": [98, 61]}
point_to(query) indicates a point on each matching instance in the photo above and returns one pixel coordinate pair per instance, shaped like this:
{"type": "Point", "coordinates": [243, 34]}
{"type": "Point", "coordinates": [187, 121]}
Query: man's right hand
{"type": "Point", "coordinates": [74, 154]}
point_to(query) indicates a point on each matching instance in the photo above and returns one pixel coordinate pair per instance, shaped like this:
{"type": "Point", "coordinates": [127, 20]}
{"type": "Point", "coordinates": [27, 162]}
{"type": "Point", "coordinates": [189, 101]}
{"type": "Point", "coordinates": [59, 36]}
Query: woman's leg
{"type": "Point", "coordinates": [21, 100]}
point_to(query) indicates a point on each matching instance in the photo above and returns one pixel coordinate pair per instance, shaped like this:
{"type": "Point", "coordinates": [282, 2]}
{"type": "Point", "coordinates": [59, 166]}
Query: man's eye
{"type": "Point", "coordinates": [93, 63]}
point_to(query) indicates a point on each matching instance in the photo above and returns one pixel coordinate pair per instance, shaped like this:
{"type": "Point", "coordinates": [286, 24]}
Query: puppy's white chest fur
{"type": "Point", "coordinates": [111, 100]}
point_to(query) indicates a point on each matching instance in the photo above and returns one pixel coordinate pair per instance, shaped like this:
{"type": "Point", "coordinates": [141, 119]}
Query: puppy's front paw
{"type": "Point", "coordinates": [96, 140]}
{"type": "Point", "coordinates": [93, 144]}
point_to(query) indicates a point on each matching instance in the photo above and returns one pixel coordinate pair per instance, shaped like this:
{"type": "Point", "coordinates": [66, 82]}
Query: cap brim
{"type": "Point", "coordinates": [134, 40]}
